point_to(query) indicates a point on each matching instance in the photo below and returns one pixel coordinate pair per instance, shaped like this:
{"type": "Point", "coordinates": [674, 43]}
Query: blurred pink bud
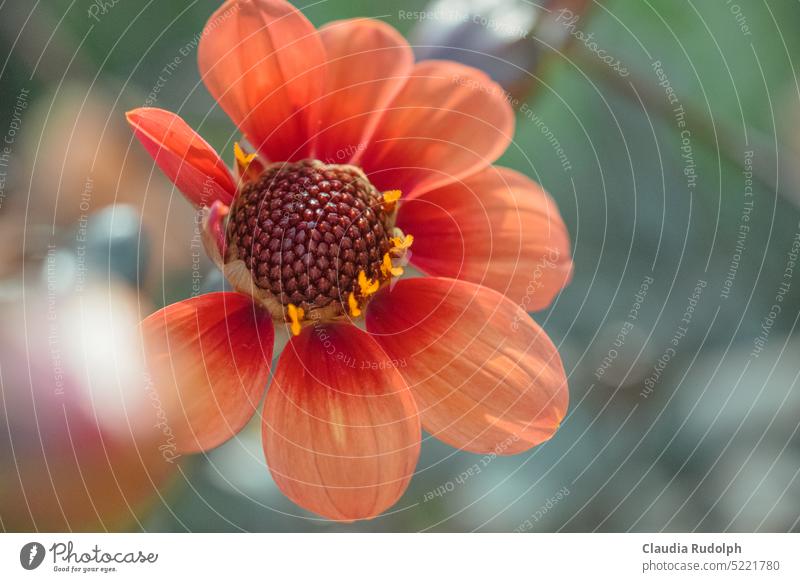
{"type": "Point", "coordinates": [80, 443]}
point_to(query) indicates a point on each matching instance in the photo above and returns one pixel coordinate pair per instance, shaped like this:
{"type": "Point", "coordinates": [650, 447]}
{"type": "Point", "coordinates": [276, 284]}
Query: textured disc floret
{"type": "Point", "coordinates": [306, 231]}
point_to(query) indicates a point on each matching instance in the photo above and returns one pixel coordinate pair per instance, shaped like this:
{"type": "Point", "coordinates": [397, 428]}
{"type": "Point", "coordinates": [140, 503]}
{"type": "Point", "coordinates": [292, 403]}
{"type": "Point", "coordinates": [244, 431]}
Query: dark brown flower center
{"type": "Point", "coordinates": [306, 230]}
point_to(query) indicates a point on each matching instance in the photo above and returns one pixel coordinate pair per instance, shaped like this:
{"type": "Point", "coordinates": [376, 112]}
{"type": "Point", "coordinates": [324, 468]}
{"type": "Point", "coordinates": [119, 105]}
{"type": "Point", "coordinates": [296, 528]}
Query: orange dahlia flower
{"type": "Point", "coordinates": [310, 231]}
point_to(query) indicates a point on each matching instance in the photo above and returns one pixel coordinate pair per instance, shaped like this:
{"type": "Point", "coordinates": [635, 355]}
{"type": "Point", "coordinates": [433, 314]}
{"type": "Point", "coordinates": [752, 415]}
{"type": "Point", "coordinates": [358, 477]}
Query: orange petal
{"type": "Point", "coordinates": [185, 157]}
{"type": "Point", "coordinates": [263, 61]}
{"type": "Point", "coordinates": [209, 360]}
{"type": "Point", "coordinates": [368, 62]}
{"type": "Point", "coordinates": [341, 430]}
{"type": "Point", "coordinates": [447, 122]}
{"type": "Point", "coordinates": [485, 376]}
{"type": "Point", "coordinates": [497, 228]}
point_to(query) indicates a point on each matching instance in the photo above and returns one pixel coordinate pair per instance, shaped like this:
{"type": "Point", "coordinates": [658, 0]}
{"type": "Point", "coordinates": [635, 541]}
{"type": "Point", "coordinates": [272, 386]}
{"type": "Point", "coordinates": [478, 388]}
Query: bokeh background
{"type": "Point", "coordinates": [667, 131]}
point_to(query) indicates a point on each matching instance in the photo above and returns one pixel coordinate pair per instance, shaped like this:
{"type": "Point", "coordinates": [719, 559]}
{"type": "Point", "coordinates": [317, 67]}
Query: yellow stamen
{"type": "Point", "coordinates": [402, 243]}
{"type": "Point", "coordinates": [242, 159]}
{"type": "Point", "coordinates": [354, 310]}
{"type": "Point", "coordinates": [388, 269]}
{"type": "Point", "coordinates": [390, 198]}
{"type": "Point", "coordinates": [296, 315]}
{"type": "Point", "coordinates": [367, 285]}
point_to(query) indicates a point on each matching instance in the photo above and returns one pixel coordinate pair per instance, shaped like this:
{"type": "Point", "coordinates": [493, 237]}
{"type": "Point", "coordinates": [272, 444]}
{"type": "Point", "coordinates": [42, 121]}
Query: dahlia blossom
{"type": "Point", "coordinates": [352, 157]}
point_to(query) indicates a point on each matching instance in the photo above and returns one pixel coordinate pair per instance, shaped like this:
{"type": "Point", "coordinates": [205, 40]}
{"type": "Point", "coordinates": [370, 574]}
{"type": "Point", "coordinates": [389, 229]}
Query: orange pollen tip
{"type": "Point", "coordinates": [242, 159]}
{"type": "Point", "coordinates": [368, 286]}
{"type": "Point", "coordinates": [402, 243]}
{"type": "Point", "coordinates": [296, 315]}
{"type": "Point", "coordinates": [388, 269]}
{"type": "Point", "coordinates": [355, 311]}
{"type": "Point", "coordinates": [390, 198]}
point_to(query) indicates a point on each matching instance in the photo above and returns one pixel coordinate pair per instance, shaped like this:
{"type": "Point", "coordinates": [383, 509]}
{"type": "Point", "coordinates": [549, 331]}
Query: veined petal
{"type": "Point", "coordinates": [209, 360]}
{"type": "Point", "coordinates": [368, 63]}
{"type": "Point", "coordinates": [341, 431]}
{"type": "Point", "coordinates": [485, 376]}
{"type": "Point", "coordinates": [185, 157]}
{"type": "Point", "coordinates": [498, 228]}
{"type": "Point", "coordinates": [448, 121]}
{"type": "Point", "coordinates": [263, 62]}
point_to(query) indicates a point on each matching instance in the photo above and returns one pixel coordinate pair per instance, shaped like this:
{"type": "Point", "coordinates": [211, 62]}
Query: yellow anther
{"type": "Point", "coordinates": [368, 286]}
{"type": "Point", "coordinates": [390, 198]}
{"type": "Point", "coordinates": [402, 243]}
{"type": "Point", "coordinates": [354, 309]}
{"type": "Point", "coordinates": [296, 314]}
{"type": "Point", "coordinates": [388, 269]}
{"type": "Point", "coordinates": [242, 159]}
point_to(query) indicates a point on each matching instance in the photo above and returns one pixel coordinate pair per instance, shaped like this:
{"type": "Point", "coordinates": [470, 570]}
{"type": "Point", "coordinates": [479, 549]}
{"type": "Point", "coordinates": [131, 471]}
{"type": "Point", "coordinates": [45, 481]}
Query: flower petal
{"type": "Point", "coordinates": [485, 376]}
{"type": "Point", "coordinates": [213, 234]}
{"type": "Point", "coordinates": [209, 360]}
{"type": "Point", "coordinates": [368, 63]}
{"type": "Point", "coordinates": [185, 157]}
{"type": "Point", "coordinates": [498, 228]}
{"type": "Point", "coordinates": [341, 430]}
{"type": "Point", "coordinates": [448, 121]}
{"type": "Point", "coordinates": [263, 62]}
